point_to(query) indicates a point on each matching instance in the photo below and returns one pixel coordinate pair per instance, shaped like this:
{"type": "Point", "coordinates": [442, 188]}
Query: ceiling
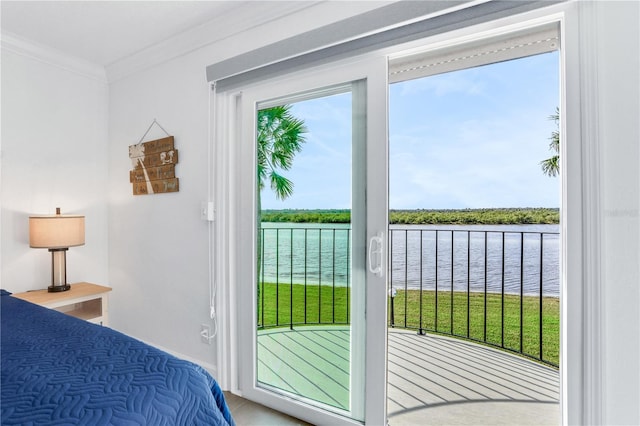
{"type": "Point", "coordinates": [105, 32]}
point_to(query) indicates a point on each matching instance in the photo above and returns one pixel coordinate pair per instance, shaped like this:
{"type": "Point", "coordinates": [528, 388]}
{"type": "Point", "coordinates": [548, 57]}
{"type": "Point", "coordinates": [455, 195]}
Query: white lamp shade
{"type": "Point", "coordinates": [56, 231]}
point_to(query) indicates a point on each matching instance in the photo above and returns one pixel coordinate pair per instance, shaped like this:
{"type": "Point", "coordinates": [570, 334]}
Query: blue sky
{"type": "Point", "coordinates": [466, 139]}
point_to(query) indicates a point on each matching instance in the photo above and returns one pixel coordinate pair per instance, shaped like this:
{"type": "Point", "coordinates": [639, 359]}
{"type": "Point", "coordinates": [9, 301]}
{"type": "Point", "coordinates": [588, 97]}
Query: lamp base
{"type": "Point", "coordinates": [59, 288]}
{"type": "Point", "coordinates": [58, 270]}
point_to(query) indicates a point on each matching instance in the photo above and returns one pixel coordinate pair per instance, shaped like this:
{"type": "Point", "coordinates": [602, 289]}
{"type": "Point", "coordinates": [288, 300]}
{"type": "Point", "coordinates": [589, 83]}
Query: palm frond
{"type": "Point", "coordinates": [280, 137]}
{"type": "Point", "coordinates": [282, 186]}
{"type": "Point", "coordinates": [551, 166]}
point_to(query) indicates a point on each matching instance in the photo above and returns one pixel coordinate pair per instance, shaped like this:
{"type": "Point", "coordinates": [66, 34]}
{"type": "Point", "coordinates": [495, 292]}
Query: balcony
{"type": "Point", "coordinates": [473, 321]}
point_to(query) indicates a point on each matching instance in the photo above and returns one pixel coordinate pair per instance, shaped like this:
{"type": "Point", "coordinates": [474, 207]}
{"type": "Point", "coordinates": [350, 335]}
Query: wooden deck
{"type": "Point", "coordinates": [431, 379]}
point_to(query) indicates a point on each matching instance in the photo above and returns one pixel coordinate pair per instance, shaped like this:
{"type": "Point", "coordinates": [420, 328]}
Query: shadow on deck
{"type": "Point", "coordinates": [431, 379]}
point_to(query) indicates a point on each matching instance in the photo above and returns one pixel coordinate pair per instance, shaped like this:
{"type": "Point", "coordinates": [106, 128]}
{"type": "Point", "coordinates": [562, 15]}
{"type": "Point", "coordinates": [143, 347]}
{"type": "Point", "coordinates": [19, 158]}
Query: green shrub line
{"type": "Point", "coordinates": [330, 305]}
{"type": "Point", "coordinates": [493, 216]}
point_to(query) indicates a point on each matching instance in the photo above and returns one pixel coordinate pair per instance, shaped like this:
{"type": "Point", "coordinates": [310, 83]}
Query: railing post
{"type": "Point", "coordinates": [277, 277]}
{"type": "Point", "coordinates": [392, 295]}
{"type": "Point", "coordinates": [486, 256]}
{"type": "Point", "coordinates": [305, 274]}
{"type": "Point", "coordinates": [435, 325]}
{"type": "Point", "coordinates": [291, 280]}
{"type": "Point", "coordinates": [319, 276]}
{"type": "Point", "coordinates": [406, 293]}
{"type": "Point", "coordinates": [452, 269]}
{"type": "Point", "coordinates": [333, 277]}
{"type": "Point", "coordinates": [521, 291]}
{"type": "Point", "coordinates": [348, 318]}
{"type": "Point", "coordinates": [421, 329]}
{"type": "Point", "coordinates": [502, 297]}
{"type": "Point", "coordinates": [468, 283]}
{"type": "Point", "coordinates": [262, 231]}
{"type": "Point", "coordinates": [541, 294]}
{"type": "Point", "coordinates": [391, 289]}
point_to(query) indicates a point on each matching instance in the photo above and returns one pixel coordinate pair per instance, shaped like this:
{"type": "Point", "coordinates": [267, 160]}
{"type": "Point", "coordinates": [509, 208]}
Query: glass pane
{"type": "Point", "coordinates": [305, 278]}
{"type": "Point", "coordinates": [474, 240]}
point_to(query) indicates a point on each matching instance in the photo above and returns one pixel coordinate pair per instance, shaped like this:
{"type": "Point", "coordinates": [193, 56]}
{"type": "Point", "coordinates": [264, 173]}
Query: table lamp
{"type": "Point", "coordinates": [57, 233]}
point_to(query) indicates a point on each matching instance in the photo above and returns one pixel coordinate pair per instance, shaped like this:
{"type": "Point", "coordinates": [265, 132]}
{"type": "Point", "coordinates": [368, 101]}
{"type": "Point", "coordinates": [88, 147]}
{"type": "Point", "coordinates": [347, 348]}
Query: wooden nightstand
{"type": "Point", "coordinates": [86, 301]}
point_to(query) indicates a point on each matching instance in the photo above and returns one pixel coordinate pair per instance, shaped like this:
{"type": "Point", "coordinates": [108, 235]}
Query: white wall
{"type": "Point", "coordinates": [618, 83]}
{"type": "Point", "coordinates": [158, 243]}
{"type": "Point", "coordinates": [159, 259]}
{"type": "Point", "coordinates": [54, 150]}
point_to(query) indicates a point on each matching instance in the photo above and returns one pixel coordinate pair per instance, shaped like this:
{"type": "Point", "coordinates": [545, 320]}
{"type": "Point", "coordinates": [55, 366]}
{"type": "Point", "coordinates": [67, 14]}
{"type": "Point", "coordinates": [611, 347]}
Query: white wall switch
{"type": "Point", "coordinates": [206, 211]}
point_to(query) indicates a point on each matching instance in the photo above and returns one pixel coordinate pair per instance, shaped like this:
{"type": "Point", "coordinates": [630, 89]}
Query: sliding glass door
{"type": "Point", "coordinates": [312, 336]}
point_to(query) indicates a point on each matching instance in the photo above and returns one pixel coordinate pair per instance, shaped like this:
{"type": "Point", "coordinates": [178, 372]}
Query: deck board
{"type": "Point", "coordinates": [424, 372]}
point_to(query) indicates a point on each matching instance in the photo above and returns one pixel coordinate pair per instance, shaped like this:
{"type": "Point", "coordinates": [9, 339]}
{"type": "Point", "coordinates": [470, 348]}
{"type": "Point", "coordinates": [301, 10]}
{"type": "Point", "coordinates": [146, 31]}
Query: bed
{"type": "Point", "coordinates": [57, 369]}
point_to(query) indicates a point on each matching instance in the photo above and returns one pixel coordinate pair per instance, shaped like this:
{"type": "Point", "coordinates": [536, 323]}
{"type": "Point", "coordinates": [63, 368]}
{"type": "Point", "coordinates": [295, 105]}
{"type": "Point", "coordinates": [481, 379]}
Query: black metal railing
{"type": "Point", "coordinates": [309, 270]}
{"type": "Point", "coordinates": [494, 287]}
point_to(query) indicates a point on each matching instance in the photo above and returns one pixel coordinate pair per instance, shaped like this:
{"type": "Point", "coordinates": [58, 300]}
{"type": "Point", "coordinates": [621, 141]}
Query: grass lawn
{"type": "Point", "coordinates": [327, 305]}
{"type": "Point", "coordinates": [472, 325]}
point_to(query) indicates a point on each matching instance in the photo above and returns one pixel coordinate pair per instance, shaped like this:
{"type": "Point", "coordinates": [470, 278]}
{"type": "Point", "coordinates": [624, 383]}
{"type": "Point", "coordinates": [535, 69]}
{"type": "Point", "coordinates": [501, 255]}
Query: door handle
{"type": "Point", "coordinates": [377, 253]}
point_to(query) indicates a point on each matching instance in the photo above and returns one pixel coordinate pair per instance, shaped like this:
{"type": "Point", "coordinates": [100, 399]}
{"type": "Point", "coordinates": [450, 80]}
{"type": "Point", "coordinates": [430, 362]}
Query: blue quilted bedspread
{"type": "Point", "coordinates": [61, 370]}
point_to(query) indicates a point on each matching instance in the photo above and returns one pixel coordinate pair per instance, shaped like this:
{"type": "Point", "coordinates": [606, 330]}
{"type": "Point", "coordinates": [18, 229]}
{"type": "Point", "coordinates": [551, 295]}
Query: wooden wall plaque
{"type": "Point", "coordinates": [153, 165]}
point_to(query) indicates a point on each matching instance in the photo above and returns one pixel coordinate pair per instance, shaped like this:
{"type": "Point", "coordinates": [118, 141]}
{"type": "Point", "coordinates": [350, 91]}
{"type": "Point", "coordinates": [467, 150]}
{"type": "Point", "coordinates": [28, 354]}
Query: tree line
{"type": "Point", "coordinates": [492, 216]}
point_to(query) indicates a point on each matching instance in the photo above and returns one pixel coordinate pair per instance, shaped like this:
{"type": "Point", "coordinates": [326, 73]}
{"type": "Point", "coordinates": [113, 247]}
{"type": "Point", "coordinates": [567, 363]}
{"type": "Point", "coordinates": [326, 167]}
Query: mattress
{"type": "Point", "coordinates": [57, 369]}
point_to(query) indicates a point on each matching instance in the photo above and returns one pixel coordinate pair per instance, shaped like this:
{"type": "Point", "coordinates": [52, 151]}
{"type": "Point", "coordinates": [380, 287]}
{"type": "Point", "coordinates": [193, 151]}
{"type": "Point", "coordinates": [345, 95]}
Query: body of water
{"type": "Point", "coordinates": [469, 257]}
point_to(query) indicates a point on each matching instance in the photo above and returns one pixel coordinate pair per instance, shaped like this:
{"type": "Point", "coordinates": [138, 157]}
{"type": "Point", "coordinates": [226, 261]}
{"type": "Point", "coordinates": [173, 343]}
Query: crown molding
{"type": "Point", "coordinates": [20, 46]}
{"type": "Point", "coordinates": [228, 24]}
